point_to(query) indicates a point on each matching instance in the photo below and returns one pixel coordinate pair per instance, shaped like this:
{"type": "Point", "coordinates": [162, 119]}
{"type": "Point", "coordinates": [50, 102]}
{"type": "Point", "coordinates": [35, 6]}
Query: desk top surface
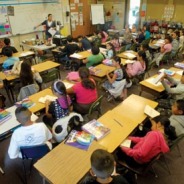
{"type": "Point", "coordinates": [47, 65]}
{"type": "Point", "coordinates": [103, 70]}
{"type": "Point", "coordinates": [66, 164]}
{"type": "Point", "coordinates": [130, 54]}
{"type": "Point", "coordinates": [132, 108]}
{"type": "Point", "coordinates": [39, 47]}
{"type": "Point", "coordinates": [120, 128]}
{"type": "Point", "coordinates": [18, 54]}
{"type": "Point", "coordinates": [159, 87]}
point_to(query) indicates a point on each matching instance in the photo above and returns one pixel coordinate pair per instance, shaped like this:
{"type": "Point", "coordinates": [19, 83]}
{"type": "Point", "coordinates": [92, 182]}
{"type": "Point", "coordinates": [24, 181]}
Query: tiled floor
{"type": "Point", "coordinates": [175, 162]}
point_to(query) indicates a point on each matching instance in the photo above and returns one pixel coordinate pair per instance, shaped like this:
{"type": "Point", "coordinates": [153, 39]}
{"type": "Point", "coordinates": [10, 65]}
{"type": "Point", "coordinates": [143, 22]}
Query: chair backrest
{"type": "Point", "coordinates": [176, 141]}
{"type": "Point", "coordinates": [27, 91]}
{"type": "Point", "coordinates": [34, 152]}
{"type": "Point", "coordinates": [50, 75]}
{"type": "Point", "coordinates": [96, 105]}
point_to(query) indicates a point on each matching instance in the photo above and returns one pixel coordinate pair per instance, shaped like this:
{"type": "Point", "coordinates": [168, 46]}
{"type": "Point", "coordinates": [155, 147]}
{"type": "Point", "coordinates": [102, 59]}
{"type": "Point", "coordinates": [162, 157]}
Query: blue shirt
{"type": "Point", "coordinates": [9, 62]}
{"type": "Point", "coordinates": [147, 35]}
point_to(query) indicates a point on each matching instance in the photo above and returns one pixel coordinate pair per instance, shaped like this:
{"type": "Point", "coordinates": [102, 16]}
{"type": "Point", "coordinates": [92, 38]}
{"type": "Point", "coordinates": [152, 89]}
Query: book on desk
{"type": "Point", "coordinates": [79, 139]}
{"type": "Point", "coordinates": [4, 116]}
{"type": "Point", "coordinates": [97, 129]}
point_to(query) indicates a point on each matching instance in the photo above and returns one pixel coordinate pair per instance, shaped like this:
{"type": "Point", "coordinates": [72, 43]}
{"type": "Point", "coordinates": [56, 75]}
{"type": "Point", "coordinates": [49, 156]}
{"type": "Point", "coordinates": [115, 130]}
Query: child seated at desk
{"type": "Point", "coordinates": [29, 76]}
{"type": "Point", "coordinates": [138, 67]}
{"type": "Point", "coordinates": [104, 36]}
{"type": "Point", "coordinates": [85, 92]}
{"type": "Point", "coordinates": [110, 53]}
{"type": "Point", "coordinates": [115, 41]}
{"type": "Point", "coordinates": [149, 146]}
{"type": "Point", "coordinates": [70, 48]}
{"type": "Point", "coordinates": [9, 62]}
{"type": "Point", "coordinates": [84, 43]}
{"type": "Point", "coordinates": [7, 44]}
{"type": "Point", "coordinates": [103, 169]}
{"type": "Point", "coordinates": [175, 88]}
{"type": "Point", "coordinates": [145, 48]}
{"type": "Point", "coordinates": [95, 58]}
{"type": "Point", "coordinates": [167, 47]}
{"type": "Point", "coordinates": [177, 117]}
{"type": "Point", "coordinates": [59, 108]}
{"type": "Point", "coordinates": [29, 134]}
{"type": "Point", "coordinates": [115, 81]}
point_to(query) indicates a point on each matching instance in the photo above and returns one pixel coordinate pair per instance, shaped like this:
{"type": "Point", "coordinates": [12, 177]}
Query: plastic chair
{"type": "Point", "coordinates": [27, 91]}
{"type": "Point", "coordinates": [141, 169]}
{"type": "Point", "coordinates": [50, 76]}
{"type": "Point", "coordinates": [166, 57]}
{"type": "Point", "coordinates": [95, 106]}
{"type": "Point", "coordinates": [33, 153]}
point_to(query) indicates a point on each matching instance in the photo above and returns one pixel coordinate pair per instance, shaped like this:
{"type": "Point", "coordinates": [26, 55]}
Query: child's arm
{"type": "Point", "coordinates": [111, 80]}
{"type": "Point", "coordinates": [47, 105]}
{"type": "Point", "coordinates": [135, 139]}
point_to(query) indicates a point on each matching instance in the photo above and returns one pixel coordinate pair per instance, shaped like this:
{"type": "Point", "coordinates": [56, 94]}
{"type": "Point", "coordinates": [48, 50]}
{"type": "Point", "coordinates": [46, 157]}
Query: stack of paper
{"type": "Point", "coordinates": [47, 97]}
{"type": "Point", "coordinates": [150, 111]}
{"type": "Point", "coordinates": [158, 78]}
{"type": "Point", "coordinates": [126, 143]}
{"type": "Point", "coordinates": [129, 61]}
{"type": "Point", "coordinates": [129, 55]}
{"type": "Point", "coordinates": [152, 81]}
{"type": "Point", "coordinates": [75, 55]}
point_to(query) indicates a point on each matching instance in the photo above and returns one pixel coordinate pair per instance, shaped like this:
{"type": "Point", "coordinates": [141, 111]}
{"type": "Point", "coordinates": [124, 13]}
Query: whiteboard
{"type": "Point", "coordinates": [27, 16]}
{"type": "Point", "coordinates": [97, 14]}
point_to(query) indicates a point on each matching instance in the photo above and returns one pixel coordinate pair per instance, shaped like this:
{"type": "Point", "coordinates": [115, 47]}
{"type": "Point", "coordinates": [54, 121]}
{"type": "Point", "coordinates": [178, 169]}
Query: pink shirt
{"type": "Point", "coordinates": [83, 95]}
{"type": "Point", "coordinates": [167, 48]}
{"type": "Point", "coordinates": [135, 69]}
{"type": "Point", "coordinates": [147, 147]}
{"type": "Point", "coordinates": [105, 38]}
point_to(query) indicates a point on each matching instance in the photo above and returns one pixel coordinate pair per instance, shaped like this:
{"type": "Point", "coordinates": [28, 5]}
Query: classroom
{"type": "Point", "coordinates": [91, 91]}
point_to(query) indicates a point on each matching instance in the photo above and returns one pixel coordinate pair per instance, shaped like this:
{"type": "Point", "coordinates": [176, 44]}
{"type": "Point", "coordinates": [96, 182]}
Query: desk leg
{"type": "Point", "coordinates": [8, 90]}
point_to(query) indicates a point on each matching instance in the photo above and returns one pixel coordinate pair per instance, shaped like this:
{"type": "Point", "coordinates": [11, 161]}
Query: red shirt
{"type": "Point", "coordinates": [147, 147]}
{"type": "Point", "coordinates": [83, 95]}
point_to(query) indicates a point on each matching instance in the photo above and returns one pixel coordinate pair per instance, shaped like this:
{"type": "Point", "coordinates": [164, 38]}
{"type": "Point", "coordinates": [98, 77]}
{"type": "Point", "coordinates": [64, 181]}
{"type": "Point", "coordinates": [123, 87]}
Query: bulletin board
{"type": "Point", "coordinates": [5, 28]}
{"type": "Point", "coordinates": [97, 14]}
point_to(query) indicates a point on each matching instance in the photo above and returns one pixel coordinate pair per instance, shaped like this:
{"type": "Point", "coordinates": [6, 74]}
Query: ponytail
{"type": "Point", "coordinates": [86, 82]}
{"type": "Point", "coordinates": [168, 129]}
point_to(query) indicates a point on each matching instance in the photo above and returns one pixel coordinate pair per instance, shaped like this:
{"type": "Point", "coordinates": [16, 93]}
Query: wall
{"type": "Point", "coordinates": [65, 31]}
{"type": "Point", "coordinates": [155, 9]}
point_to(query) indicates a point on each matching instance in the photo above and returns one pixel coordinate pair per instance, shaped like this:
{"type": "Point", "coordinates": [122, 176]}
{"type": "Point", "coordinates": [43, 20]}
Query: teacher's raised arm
{"type": "Point", "coordinates": [49, 24]}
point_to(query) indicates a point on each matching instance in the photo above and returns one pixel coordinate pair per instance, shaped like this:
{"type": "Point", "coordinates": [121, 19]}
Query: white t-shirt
{"type": "Point", "coordinates": [35, 134]}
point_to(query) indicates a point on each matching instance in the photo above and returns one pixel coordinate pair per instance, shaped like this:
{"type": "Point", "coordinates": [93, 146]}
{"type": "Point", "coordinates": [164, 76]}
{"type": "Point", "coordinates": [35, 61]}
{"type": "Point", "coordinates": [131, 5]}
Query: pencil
{"type": "Point", "coordinates": [118, 122]}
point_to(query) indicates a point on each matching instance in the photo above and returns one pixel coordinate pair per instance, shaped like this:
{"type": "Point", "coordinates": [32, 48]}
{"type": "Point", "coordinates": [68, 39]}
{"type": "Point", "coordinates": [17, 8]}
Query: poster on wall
{"type": "Point", "coordinates": [168, 12]}
{"type": "Point", "coordinates": [75, 17]}
{"type": "Point", "coordinates": [80, 19]}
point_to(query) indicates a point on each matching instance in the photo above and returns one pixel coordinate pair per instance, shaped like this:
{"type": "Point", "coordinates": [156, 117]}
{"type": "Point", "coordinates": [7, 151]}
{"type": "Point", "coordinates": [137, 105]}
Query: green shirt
{"type": "Point", "coordinates": [94, 60]}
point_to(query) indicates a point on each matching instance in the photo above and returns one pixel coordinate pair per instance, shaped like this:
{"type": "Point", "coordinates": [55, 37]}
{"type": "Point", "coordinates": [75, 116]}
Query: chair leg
{"type": "Point", "coordinates": [43, 180]}
{"type": "Point", "coordinates": [1, 170]}
{"type": "Point", "coordinates": [179, 150]}
{"type": "Point", "coordinates": [25, 174]}
{"type": "Point", "coordinates": [167, 165]}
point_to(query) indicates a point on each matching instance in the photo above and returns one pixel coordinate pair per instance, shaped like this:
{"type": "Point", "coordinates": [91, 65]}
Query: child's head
{"type": "Point", "coordinates": [144, 47]}
{"type": "Point", "coordinates": [162, 122]}
{"type": "Point", "coordinates": [95, 50]}
{"type": "Point", "coordinates": [116, 61]}
{"type": "Point", "coordinates": [7, 41]}
{"type": "Point", "coordinates": [23, 115]}
{"type": "Point", "coordinates": [8, 52]}
{"type": "Point", "coordinates": [116, 37]}
{"type": "Point", "coordinates": [59, 88]}
{"type": "Point", "coordinates": [141, 56]}
{"type": "Point", "coordinates": [178, 107]}
{"type": "Point", "coordinates": [69, 38]}
{"type": "Point", "coordinates": [168, 39]}
{"type": "Point", "coordinates": [102, 164]}
{"type": "Point", "coordinates": [50, 17]}
{"type": "Point", "coordinates": [80, 37]}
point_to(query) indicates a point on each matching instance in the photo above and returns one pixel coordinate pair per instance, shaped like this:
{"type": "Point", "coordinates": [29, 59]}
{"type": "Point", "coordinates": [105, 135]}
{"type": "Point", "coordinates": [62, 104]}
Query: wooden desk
{"type": "Point", "coordinates": [66, 164]}
{"type": "Point", "coordinates": [118, 133]}
{"type": "Point", "coordinates": [156, 44]}
{"type": "Point", "coordinates": [41, 67]}
{"type": "Point", "coordinates": [81, 55]}
{"type": "Point", "coordinates": [132, 108]}
{"type": "Point", "coordinates": [38, 47]}
{"type": "Point", "coordinates": [35, 97]}
{"type": "Point", "coordinates": [156, 90]}
{"type": "Point", "coordinates": [125, 54]}
{"type": "Point", "coordinates": [100, 75]}
{"type": "Point", "coordinates": [22, 54]}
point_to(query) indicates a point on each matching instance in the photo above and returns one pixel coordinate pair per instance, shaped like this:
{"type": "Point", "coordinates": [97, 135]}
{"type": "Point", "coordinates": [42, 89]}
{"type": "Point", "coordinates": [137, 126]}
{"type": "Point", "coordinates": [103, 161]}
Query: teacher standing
{"type": "Point", "coordinates": [49, 24]}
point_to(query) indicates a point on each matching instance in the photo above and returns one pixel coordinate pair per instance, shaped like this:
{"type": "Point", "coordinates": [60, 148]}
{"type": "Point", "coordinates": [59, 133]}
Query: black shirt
{"type": "Point", "coordinates": [14, 50]}
{"type": "Point", "coordinates": [86, 45]}
{"type": "Point", "coordinates": [71, 48]}
{"type": "Point", "coordinates": [116, 180]}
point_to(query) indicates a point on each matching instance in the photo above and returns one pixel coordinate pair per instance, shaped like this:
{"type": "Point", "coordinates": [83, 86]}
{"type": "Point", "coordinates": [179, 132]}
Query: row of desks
{"type": "Point", "coordinates": [66, 164]}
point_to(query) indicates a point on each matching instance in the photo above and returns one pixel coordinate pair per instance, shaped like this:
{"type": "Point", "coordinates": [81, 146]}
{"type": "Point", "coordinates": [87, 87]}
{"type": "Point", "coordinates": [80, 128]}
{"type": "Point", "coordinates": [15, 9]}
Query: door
{"type": "Point", "coordinates": [80, 17]}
